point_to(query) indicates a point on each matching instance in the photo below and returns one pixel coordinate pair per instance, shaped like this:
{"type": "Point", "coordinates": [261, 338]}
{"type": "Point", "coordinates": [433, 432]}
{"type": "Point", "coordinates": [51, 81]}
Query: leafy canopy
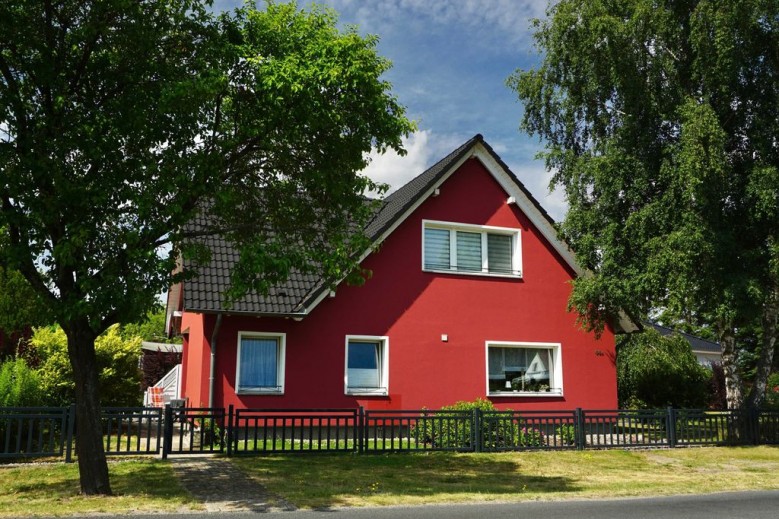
{"type": "Point", "coordinates": [655, 372]}
{"type": "Point", "coordinates": [120, 120]}
{"type": "Point", "coordinates": [660, 124]}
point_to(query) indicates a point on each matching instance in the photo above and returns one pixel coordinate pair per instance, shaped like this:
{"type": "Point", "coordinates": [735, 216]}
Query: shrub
{"type": "Point", "coordinates": [20, 386]}
{"type": "Point", "coordinates": [117, 360]}
{"type": "Point", "coordinates": [655, 371]}
{"type": "Point", "coordinates": [566, 434]}
{"type": "Point", "coordinates": [530, 437]}
{"type": "Point", "coordinates": [497, 431]}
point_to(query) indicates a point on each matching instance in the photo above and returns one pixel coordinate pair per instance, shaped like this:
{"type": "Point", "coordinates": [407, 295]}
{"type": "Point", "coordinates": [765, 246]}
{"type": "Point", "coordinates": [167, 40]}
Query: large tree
{"type": "Point", "coordinates": [661, 120]}
{"type": "Point", "coordinates": [120, 120]}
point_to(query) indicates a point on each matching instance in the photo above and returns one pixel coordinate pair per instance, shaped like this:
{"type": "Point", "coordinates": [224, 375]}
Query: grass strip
{"type": "Point", "coordinates": [331, 480]}
{"type": "Point", "coordinates": [52, 489]}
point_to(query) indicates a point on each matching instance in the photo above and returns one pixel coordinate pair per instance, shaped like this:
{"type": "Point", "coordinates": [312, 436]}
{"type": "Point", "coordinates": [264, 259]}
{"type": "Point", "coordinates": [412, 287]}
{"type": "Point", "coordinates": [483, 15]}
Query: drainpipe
{"type": "Point", "coordinates": [211, 376]}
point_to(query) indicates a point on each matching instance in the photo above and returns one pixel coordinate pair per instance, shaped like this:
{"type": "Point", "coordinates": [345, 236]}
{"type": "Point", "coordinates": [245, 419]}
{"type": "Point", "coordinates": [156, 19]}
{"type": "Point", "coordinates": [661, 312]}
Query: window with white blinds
{"type": "Point", "coordinates": [450, 247]}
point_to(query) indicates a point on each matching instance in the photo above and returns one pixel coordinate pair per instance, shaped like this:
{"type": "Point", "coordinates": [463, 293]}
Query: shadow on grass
{"type": "Point", "coordinates": [332, 480]}
{"type": "Point", "coordinates": [148, 478]}
{"type": "Point", "coordinates": [129, 479]}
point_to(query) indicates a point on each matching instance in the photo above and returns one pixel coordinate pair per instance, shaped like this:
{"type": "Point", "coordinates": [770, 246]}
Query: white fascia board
{"type": "Point", "coordinates": [527, 207]}
{"type": "Point", "coordinates": [430, 192]}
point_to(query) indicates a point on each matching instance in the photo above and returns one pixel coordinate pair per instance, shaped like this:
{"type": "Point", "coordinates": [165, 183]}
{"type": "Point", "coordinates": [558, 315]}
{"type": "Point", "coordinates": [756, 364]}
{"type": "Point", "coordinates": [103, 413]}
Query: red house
{"type": "Point", "coordinates": [467, 299]}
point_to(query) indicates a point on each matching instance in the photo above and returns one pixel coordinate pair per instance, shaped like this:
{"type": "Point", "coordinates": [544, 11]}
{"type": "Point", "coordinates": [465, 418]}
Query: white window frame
{"type": "Point", "coordinates": [280, 363]}
{"type": "Point", "coordinates": [383, 341]}
{"type": "Point", "coordinates": [484, 230]}
{"type": "Point", "coordinates": [556, 368]}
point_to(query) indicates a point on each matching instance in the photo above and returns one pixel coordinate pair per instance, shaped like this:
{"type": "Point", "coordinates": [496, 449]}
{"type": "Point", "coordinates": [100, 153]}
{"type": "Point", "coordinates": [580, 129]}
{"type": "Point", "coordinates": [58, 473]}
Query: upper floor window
{"type": "Point", "coordinates": [471, 249]}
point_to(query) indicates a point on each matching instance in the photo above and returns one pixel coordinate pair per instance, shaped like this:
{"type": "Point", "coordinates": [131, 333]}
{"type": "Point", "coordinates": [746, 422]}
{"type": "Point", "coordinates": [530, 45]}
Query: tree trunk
{"type": "Point", "coordinates": [765, 361]}
{"type": "Point", "coordinates": [733, 393]}
{"type": "Point", "coordinates": [92, 465]}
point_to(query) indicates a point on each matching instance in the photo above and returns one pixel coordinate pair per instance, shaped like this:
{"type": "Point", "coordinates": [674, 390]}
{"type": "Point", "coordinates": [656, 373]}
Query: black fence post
{"type": "Point", "coordinates": [579, 432]}
{"type": "Point", "coordinates": [230, 410]}
{"type": "Point", "coordinates": [754, 424]}
{"type": "Point", "coordinates": [671, 427]}
{"type": "Point", "coordinates": [68, 433]}
{"type": "Point", "coordinates": [476, 431]}
{"type": "Point", "coordinates": [167, 434]}
{"type": "Point", "coordinates": [360, 429]}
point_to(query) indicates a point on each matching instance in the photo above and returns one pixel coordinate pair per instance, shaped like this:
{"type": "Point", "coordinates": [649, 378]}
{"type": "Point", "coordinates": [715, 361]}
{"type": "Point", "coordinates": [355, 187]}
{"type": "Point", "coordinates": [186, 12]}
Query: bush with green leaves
{"type": "Point", "coordinates": [117, 360]}
{"type": "Point", "coordinates": [20, 386]}
{"type": "Point", "coordinates": [452, 433]}
{"type": "Point", "coordinates": [654, 371]}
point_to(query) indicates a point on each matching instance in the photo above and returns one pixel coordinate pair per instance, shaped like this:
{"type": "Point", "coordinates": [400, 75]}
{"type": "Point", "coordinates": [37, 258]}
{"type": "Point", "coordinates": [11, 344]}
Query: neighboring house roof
{"type": "Point", "coordinates": [163, 347]}
{"type": "Point", "coordinates": [302, 292]}
{"type": "Point", "coordinates": [697, 344]}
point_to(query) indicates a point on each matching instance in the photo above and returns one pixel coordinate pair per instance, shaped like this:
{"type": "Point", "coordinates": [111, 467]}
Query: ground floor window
{"type": "Point", "coordinates": [366, 369]}
{"type": "Point", "coordinates": [260, 363]}
{"type": "Point", "coordinates": [524, 368]}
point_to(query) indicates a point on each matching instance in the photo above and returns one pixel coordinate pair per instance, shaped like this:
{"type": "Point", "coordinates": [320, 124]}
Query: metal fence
{"type": "Point", "coordinates": [49, 432]}
{"type": "Point", "coordinates": [27, 432]}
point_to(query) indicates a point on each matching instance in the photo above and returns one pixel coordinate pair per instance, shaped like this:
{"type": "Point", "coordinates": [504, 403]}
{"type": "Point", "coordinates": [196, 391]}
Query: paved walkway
{"type": "Point", "coordinates": [222, 487]}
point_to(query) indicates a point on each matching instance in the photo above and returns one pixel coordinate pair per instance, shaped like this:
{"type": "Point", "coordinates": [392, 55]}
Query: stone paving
{"type": "Point", "coordinates": [222, 487]}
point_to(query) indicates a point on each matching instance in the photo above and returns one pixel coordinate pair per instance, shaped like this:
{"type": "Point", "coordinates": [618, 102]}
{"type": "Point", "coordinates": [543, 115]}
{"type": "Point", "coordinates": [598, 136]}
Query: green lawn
{"type": "Point", "coordinates": [367, 480]}
{"type": "Point", "coordinates": [146, 485]}
{"type": "Point", "coordinates": [327, 480]}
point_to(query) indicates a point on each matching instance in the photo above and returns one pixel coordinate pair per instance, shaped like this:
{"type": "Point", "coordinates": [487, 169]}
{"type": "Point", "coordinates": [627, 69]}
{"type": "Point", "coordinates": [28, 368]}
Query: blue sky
{"type": "Point", "coordinates": [450, 61]}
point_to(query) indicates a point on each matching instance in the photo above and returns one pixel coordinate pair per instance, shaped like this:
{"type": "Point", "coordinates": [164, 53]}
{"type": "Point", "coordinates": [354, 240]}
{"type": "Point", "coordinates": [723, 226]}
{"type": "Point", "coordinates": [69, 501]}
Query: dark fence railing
{"type": "Point", "coordinates": [387, 431]}
{"type": "Point", "coordinates": [27, 432]}
{"type": "Point", "coordinates": [49, 432]}
{"type": "Point", "coordinates": [298, 430]}
{"type": "Point", "coordinates": [132, 430]}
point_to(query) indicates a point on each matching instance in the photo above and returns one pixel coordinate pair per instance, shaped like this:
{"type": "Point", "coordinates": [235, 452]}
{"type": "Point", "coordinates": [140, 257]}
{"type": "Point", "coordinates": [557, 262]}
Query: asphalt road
{"type": "Point", "coordinates": [737, 505]}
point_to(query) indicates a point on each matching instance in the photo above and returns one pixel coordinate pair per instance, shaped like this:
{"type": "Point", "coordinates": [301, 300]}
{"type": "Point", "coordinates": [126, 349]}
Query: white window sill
{"type": "Point", "coordinates": [367, 392]}
{"type": "Point", "coordinates": [473, 273]}
{"type": "Point", "coordinates": [534, 394]}
{"type": "Point", "coordinates": [259, 392]}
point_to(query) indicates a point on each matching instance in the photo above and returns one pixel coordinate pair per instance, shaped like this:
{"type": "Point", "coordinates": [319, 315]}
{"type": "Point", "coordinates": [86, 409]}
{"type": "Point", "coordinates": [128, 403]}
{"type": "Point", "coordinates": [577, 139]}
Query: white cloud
{"type": "Point", "coordinates": [425, 148]}
{"type": "Point", "coordinates": [492, 20]}
{"type": "Point", "coordinates": [536, 179]}
{"type": "Point", "coordinates": [390, 168]}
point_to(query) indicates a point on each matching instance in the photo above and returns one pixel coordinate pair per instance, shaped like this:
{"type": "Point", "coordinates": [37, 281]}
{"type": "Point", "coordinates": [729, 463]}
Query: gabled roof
{"type": "Point", "coordinates": [301, 293]}
{"type": "Point", "coordinates": [697, 344]}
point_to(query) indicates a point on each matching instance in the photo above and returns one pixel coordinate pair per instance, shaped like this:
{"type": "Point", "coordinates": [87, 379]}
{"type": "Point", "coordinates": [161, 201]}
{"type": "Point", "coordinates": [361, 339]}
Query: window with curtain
{"type": "Point", "coordinates": [449, 247]}
{"type": "Point", "coordinates": [260, 364]}
{"type": "Point", "coordinates": [366, 365]}
{"type": "Point", "coordinates": [523, 368]}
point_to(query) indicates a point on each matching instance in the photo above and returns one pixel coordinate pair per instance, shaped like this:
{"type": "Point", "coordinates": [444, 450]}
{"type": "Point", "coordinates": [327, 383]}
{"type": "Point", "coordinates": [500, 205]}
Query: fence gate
{"type": "Point", "coordinates": [194, 430]}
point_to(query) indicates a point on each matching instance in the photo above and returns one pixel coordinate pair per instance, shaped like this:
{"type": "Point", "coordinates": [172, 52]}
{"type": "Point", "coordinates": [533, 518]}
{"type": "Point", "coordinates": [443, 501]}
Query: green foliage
{"type": "Point", "coordinates": [117, 359]}
{"type": "Point", "coordinates": [655, 372]}
{"type": "Point", "coordinates": [123, 121]}
{"type": "Point", "coordinates": [151, 328]}
{"type": "Point", "coordinates": [21, 308]}
{"type": "Point", "coordinates": [566, 433]}
{"type": "Point", "coordinates": [208, 431]}
{"type": "Point", "coordinates": [531, 437]}
{"type": "Point", "coordinates": [499, 431]}
{"type": "Point", "coordinates": [660, 124]}
{"type": "Point", "coordinates": [772, 392]}
{"type": "Point", "coordinates": [20, 386]}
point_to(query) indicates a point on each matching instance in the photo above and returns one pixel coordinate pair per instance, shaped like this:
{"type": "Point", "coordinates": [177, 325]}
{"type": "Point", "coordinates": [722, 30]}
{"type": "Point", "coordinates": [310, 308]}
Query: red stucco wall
{"type": "Point", "coordinates": [414, 308]}
{"type": "Point", "coordinates": [195, 361]}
